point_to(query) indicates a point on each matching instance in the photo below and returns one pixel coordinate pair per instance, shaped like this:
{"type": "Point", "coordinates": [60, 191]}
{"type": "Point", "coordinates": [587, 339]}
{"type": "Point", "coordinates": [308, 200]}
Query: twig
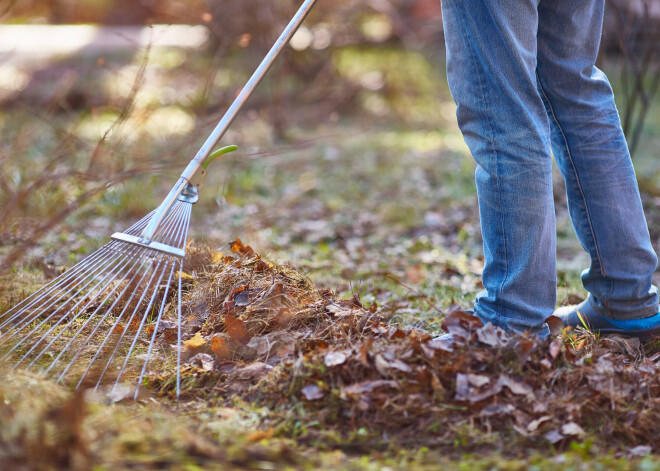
{"type": "Point", "coordinates": [410, 288]}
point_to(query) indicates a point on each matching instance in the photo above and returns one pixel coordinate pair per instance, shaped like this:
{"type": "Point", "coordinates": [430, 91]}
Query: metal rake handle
{"type": "Point", "coordinates": [224, 123]}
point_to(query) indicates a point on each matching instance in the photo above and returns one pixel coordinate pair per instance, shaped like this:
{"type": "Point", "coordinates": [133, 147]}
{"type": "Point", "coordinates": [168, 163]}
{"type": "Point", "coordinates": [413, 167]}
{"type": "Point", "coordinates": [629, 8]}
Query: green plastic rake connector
{"type": "Point", "coordinates": [215, 154]}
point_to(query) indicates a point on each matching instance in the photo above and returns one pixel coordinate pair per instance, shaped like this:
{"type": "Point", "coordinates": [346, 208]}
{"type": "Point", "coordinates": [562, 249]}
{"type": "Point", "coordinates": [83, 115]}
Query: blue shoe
{"type": "Point", "coordinates": [584, 315]}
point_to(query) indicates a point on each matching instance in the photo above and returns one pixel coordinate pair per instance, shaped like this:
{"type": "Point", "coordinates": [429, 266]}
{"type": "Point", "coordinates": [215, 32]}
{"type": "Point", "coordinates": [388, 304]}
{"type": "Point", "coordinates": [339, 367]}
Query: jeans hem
{"type": "Point", "coordinates": [625, 316]}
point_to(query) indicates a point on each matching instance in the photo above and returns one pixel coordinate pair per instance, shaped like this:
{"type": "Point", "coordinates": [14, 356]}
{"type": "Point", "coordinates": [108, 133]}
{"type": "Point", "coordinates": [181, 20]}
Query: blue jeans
{"type": "Point", "coordinates": [523, 75]}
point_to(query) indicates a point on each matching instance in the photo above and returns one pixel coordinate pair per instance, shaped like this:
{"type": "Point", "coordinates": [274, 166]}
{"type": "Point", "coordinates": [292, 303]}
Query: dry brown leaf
{"type": "Point", "coordinates": [477, 380]}
{"type": "Point", "coordinates": [534, 424]}
{"type": "Point", "coordinates": [184, 276]}
{"type": "Point", "coordinates": [312, 392]}
{"type": "Point", "coordinates": [553, 436]}
{"type": "Point", "coordinates": [220, 348]}
{"type": "Point", "coordinates": [555, 324]}
{"type": "Point", "coordinates": [439, 344]}
{"type": "Point", "coordinates": [236, 329]}
{"type": "Point", "coordinates": [401, 366]}
{"type": "Point", "coordinates": [381, 365]}
{"type": "Point", "coordinates": [364, 351]}
{"type": "Point", "coordinates": [492, 336]}
{"type": "Point", "coordinates": [258, 435]}
{"type": "Point", "coordinates": [204, 361]}
{"type": "Point", "coordinates": [241, 296]}
{"type": "Point", "coordinates": [339, 311]}
{"type": "Point", "coordinates": [195, 343]}
{"type": "Point", "coordinates": [461, 323]}
{"type": "Point", "coordinates": [555, 348]}
{"type": "Point", "coordinates": [253, 371]}
{"type": "Point", "coordinates": [572, 429]}
{"type": "Point", "coordinates": [516, 387]}
{"type": "Point", "coordinates": [334, 358]}
{"type": "Point", "coordinates": [238, 247]}
{"type": "Point", "coordinates": [469, 387]}
{"type": "Point", "coordinates": [497, 409]}
{"type": "Point", "coordinates": [357, 389]}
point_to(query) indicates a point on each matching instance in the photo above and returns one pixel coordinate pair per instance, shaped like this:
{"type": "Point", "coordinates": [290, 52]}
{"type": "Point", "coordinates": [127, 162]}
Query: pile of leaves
{"type": "Point", "coordinates": [264, 333]}
{"type": "Point", "coordinates": [246, 315]}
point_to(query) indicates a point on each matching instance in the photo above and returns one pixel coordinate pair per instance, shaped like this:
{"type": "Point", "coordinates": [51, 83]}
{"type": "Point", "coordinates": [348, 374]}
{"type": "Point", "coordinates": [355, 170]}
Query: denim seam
{"type": "Point", "coordinates": [488, 131]}
{"type": "Point", "coordinates": [577, 178]}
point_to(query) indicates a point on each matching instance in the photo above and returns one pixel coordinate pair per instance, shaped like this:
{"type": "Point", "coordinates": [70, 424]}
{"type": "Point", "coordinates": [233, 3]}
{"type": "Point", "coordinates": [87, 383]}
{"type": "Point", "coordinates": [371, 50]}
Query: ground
{"type": "Point", "coordinates": [364, 202]}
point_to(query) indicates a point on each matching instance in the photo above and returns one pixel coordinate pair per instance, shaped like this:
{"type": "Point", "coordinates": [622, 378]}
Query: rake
{"type": "Point", "coordinates": [99, 320]}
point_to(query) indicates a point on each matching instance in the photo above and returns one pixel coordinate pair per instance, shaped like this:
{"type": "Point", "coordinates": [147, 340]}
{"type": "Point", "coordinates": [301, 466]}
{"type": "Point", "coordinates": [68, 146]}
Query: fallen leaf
{"type": "Point", "coordinates": [516, 387]}
{"type": "Point", "coordinates": [540, 407]}
{"type": "Point", "coordinates": [400, 365]}
{"type": "Point", "coordinates": [497, 409]}
{"type": "Point", "coordinates": [364, 351]}
{"type": "Point", "coordinates": [461, 323]}
{"type": "Point", "coordinates": [258, 435]}
{"type": "Point", "coordinates": [204, 361]}
{"type": "Point", "coordinates": [312, 392]}
{"type": "Point", "coordinates": [553, 436]}
{"type": "Point", "coordinates": [477, 380]}
{"type": "Point", "coordinates": [220, 348]}
{"type": "Point", "coordinates": [334, 358]}
{"type": "Point", "coordinates": [534, 424]}
{"type": "Point", "coordinates": [236, 329]}
{"type": "Point", "coordinates": [253, 371]}
{"type": "Point", "coordinates": [238, 247]}
{"type": "Point", "coordinates": [358, 389]}
{"type": "Point", "coordinates": [339, 311]}
{"type": "Point", "coordinates": [439, 344]}
{"type": "Point", "coordinates": [555, 324]}
{"type": "Point", "coordinates": [641, 450]}
{"type": "Point", "coordinates": [492, 336]}
{"type": "Point", "coordinates": [195, 343]}
{"type": "Point", "coordinates": [184, 276]}
{"type": "Point", "coordinates": [436, 385]}
{"type": "Point", "coordinates": [381, 365]}
{"type": "Point", "coordinates": [468, 387]}
{"type": "Point", "coordinates": [241, 296]}
{"type": "Point", "coordinates": [555, 348]}
{"type": "Point", "coordinates": [571, 428]}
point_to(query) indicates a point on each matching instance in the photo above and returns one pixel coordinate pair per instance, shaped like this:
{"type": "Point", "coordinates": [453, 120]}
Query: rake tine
{"type": "Point", "coordinates": [144, 318]}
{"type": "Point", "coordinates": [67, 276]}
{"type": "Point", "coordinates": [114, 326]}
{"type": "Point", "coordinates": [139, 256]}
{"type": "Point", "coordinates": [153, 335]}
{"type": "Point", "coordinates": [100, 265]}
{"type": "Point", "coordinates": [141, 224]}
{"type": "Point", "coordinates": [182, 241]}
{"type": "Point", "coordinates": [107, 313]}
{"type": "Point", "coordinates": [178, 335]}
{"type": "Point", "coordinates": [180, 230]}
{"type": "Point", "coordinates": [90, 300]}
{"type": "Point", "coordinates": [26, 323]}
{"type": "Point", "coordinates": [129, 322]}
{"type": "Point", "coordinates": [178, 309]}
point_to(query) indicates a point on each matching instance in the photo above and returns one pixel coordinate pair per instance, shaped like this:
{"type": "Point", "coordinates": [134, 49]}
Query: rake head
{"type": "Point", "coordinates": [97, 323]}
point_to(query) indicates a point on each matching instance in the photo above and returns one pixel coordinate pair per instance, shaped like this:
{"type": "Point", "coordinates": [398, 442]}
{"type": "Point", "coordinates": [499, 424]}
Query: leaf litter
{"type": "Point", "coordinates": [262, 332]}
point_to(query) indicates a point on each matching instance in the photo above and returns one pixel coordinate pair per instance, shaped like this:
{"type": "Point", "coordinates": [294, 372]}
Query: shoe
{"type": "Point", "coordinates": [584, 315]}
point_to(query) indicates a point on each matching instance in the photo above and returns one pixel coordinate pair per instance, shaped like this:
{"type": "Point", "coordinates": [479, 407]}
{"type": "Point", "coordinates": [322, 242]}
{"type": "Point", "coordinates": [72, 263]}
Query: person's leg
{"type": "Point", "coordinates": [591, 152]}
{"type": "Point", "coordinates": [491, 67]}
